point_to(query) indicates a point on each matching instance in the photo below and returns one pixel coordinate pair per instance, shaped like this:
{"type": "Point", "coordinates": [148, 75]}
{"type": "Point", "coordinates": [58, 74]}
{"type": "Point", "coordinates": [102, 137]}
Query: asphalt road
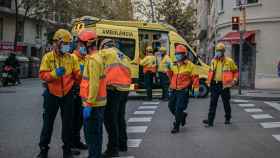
{"type": "Point", "coordinates": [255, 132]}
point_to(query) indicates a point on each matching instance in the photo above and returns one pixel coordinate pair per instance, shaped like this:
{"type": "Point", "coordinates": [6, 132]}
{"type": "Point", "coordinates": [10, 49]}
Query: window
{"type": "Point", "coordinates": [6, 3]}
{"type": "Point", "coordinates": [38, 31]}
{"type": "Point", "coordinates": [246, 2]}
{"type": "Point", "coordinates": [1, 29]}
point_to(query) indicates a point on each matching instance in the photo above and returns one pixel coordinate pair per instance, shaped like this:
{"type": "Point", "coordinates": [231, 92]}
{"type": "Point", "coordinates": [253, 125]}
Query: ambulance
{"type": "Point", "coordinates": [132, 37]}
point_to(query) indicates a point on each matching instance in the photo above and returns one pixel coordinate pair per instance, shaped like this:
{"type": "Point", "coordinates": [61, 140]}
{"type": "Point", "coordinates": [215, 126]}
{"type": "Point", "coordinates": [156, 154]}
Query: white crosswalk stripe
{"type": "Point", "coordinates": [140, 119]}
{"type": "Point", "coordinates": [262, 116]}
{"type": "Point", "coordinates": [150, 103]}
{"type": "Point", "coordinates": [240, 101]}
{"type": "Point", "coordinates": [246, 105]}
{"type": "Point", "coordinates": [252, 110]}
{"type": "Point", "coordinates": [144, 112]}
{"type": "Point", "coordinates": [147, 107]}
{"type": "Point", "coordinates": [277, 137]}
{"type": "Point", "coordinates": [270, 125]}
{"type": "Point", "coordinates": [137, 129]}
{"type": "Point", "coordinates": [134, 143]}
{"type": "Point", "coordinates": [274, 105]}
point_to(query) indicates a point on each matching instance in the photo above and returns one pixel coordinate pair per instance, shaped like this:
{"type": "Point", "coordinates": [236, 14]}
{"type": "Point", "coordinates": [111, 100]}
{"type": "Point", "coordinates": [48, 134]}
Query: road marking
{"type": "Point", "coordinates": [137, 129]}
{"type": "Point", "coordinates": [274, 105]}
{"type": "Point", "coordinates": [125, 157]}
{"type": "Point", "coordinates": [140, 119]}
{"type": "Point", "coordinates": [240, 101]}
{"type": "Point", "coordinates": [147, 107]}
{"type": "Point", "coordinates": [134, 143]}
{"type": "Point", "coordinates": [277, 137]}
{"type": "Point", "coordinates": [150, 103]}
{"type": "Point", "coordinates": [246, 105]}
{"type": "Point", "coordinates": [270, 124]}
{"type": "Point", "coordinates": [261, 116]}
{"type": "Point", "coordinates": [144, 112]}
{"type": "Point", "coordinates": [253, 110]}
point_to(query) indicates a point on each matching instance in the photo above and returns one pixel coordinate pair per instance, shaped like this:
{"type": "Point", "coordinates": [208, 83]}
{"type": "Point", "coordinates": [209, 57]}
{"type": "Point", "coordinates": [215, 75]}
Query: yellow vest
{"type": "Point", "coordinates": [163, 64]}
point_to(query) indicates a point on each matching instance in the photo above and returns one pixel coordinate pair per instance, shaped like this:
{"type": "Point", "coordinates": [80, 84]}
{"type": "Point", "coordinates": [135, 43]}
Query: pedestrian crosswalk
{"type": "Point", "coordinates": [258, 113]}
{"type": "Point", "coordinates": [139, 122]}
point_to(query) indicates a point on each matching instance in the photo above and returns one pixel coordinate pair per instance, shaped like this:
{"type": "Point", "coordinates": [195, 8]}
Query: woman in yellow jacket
{"type": "Point", "coordinates": [149, 69]}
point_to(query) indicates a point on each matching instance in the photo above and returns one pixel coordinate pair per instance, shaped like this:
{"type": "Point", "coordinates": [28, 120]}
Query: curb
{"type": "Point", "coordinates": [256, 98]}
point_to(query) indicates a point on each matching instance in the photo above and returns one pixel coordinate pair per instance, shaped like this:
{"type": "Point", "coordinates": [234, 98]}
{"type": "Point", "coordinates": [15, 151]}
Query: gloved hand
{"type": "Point", "coordinates": [60, 71]}
{"type": "Point", "coordinates": [82, 67]}
{"type": "Point", "coordinates": [86, 112]}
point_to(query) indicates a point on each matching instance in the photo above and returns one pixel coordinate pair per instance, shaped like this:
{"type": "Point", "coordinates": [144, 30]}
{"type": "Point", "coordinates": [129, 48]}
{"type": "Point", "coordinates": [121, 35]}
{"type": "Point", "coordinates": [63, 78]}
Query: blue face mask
{"type": "Point", "coordinates": [83, 50]}
{"type": "Point", "coordinates": [179, 57]}
{"type": "Point", "coordinates": [218, 54]}
{"type": "Point", "coordinates": [65, 48]}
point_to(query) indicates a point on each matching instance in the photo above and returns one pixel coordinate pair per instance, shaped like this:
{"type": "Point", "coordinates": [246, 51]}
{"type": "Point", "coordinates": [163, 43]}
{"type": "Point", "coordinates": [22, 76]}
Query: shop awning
{"type": "Point", "coordinates": [234, 37]}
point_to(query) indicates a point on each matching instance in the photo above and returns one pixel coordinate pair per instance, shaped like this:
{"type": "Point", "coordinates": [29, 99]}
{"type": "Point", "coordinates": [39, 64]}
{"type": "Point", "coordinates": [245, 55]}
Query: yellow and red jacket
{"type": "Point", "coordinates": [80, 60]}
{"type": "Point", "coordinates": [58, 86]}
{"type": "Point", "coordinates": [93, 85]}
{"type": "Point", "coordinates": [229, 71]}
{"type": "Point", "coordinates": [149, 64]}
{"type": "Point", "coordinates": [163, 64]}
{"type": "Point", "coordinates": [118, 74]}
{"type": "Point", "coordinates": [183, 76]}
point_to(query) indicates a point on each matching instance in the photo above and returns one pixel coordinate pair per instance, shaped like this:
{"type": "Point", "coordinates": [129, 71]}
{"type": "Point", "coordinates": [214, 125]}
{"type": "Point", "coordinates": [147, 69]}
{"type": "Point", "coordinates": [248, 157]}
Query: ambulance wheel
{"type": "Point", "coordinates": [203, 89]}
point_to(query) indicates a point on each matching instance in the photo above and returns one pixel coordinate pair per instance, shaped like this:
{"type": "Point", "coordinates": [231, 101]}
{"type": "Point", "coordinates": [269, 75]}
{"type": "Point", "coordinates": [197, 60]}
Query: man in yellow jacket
{"type": "Point", "coordinates": [79, 55]}
{"type": "Point", "coordinates": [59, 70]}
{"type": "Point", "coordinates": [183, 78]}
{"type": "Point", "coordinates": [162, 72]}
{"type": "Point", "coordinates": [93, 93]}
{"type": "Point", "coordinates": [149, 69]}
{"type": "Point", "coordinates": [118, 79]}
{"type": "Point", "coordinates": [223, 74]}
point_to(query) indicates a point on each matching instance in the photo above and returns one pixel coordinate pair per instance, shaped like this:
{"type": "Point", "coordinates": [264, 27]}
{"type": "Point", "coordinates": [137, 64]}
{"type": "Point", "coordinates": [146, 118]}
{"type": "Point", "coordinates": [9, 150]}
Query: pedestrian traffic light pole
{"type": "Point", "coordinates": [242, 31]}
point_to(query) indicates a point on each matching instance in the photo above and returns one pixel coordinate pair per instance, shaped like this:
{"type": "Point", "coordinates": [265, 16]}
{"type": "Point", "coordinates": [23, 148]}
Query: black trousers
{"type": "Point", "coordinates": [164, 83]}
{"type": "Point", "coordinates": [51, 106]}
{"type": "Point", "coordinates": [178, 102]}
{"type": "Point", "coordinates": [77, 117]}
{"type": "Point", "coordinates": [148, 79]}
{"type": "Point", "coordinates": [114, 119]}
{"type": "Point", "coordinates": [217, 90]}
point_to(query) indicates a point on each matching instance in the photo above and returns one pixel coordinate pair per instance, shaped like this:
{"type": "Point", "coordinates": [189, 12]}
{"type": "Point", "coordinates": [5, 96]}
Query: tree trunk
{"type": "Point", "coordinates": [16, 29]}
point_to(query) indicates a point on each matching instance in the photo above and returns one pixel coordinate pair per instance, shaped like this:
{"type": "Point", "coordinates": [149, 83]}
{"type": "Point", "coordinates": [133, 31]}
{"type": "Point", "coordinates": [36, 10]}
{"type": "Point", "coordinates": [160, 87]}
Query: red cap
{"type": "Point", "coordinates": [180, 49]}
{"type": "Point", "coordinates": [87, 35]}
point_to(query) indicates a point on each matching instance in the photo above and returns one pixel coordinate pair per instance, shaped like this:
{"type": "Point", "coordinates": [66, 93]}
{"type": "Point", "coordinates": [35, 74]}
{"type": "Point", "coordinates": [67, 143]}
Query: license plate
{"type": "Point", "coordinates": [4, 74]}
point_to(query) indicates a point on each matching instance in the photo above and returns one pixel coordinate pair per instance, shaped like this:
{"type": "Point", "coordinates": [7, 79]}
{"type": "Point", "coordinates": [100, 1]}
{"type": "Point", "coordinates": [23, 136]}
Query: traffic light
{"type": "Point", "coordinates": [235, 23]}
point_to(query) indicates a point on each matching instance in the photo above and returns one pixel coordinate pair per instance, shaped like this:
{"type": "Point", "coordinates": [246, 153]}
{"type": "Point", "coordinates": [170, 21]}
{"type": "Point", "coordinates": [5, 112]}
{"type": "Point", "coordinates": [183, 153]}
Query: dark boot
{"type": "Point", "coordinates": [67, 154]}
{"type": "Point", "coordinates": [227, 122]}
{"type": "Point", "coordinates": [79, 145]}
{"type": "Point", "coordinates": [183, 122]}
{"type": "Point", "coordinates": [208, 123]}
{"type": "Point", "coordinates": [110, 153]}
{"type": "Point", "coordinates": [175, 130]}
{"type": "Point", "coordinates": [43, 153]}
{"type": "Point", "coordinates": [123, 149]}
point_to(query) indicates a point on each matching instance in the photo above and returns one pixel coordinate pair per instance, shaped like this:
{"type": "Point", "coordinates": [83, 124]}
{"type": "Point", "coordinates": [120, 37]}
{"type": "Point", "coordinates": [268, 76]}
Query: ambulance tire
{"type": "Point", "coordinates": [203, 89]}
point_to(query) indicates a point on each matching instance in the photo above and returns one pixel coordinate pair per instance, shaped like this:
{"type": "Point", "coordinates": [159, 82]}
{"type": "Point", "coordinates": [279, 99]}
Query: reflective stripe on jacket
{"type": "Point", "coordinates": [229, 71]}
{"type": "Point", "coordinates": [93, 85]}
{"type": "Point", "coordinates": [118, 74]}
{"type": "Point", "coordinates": [183, 76]}
{"type": "Point", "coordinates": [149, 64]}
{"type": "Point", "coordinates": [163, 64]}
{"type": "Point", "coordinates": [80, 60]}
{"type": "Point", "coordinates": [58, 86]}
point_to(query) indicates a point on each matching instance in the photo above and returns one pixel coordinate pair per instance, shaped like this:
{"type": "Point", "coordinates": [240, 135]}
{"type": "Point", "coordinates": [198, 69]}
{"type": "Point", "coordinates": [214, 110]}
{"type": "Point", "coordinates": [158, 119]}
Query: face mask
{"type": "Point", "coordinates": [179, 57]}
{"type": "Point", "coordinates": [65, 48]}
{"type": "Point", "coordinates": [218, 54]}
{"type": "Point", "coordinates": [83, 50]}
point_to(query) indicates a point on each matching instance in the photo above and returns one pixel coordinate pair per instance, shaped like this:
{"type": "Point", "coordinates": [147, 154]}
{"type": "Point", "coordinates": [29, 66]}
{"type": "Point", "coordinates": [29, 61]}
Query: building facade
{"type": "Point", "coordinates": [261, 51]}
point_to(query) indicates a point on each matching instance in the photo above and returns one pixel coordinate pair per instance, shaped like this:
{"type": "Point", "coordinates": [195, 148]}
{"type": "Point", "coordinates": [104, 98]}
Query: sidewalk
{"type": "Point", "coordinates": [258, 94]}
